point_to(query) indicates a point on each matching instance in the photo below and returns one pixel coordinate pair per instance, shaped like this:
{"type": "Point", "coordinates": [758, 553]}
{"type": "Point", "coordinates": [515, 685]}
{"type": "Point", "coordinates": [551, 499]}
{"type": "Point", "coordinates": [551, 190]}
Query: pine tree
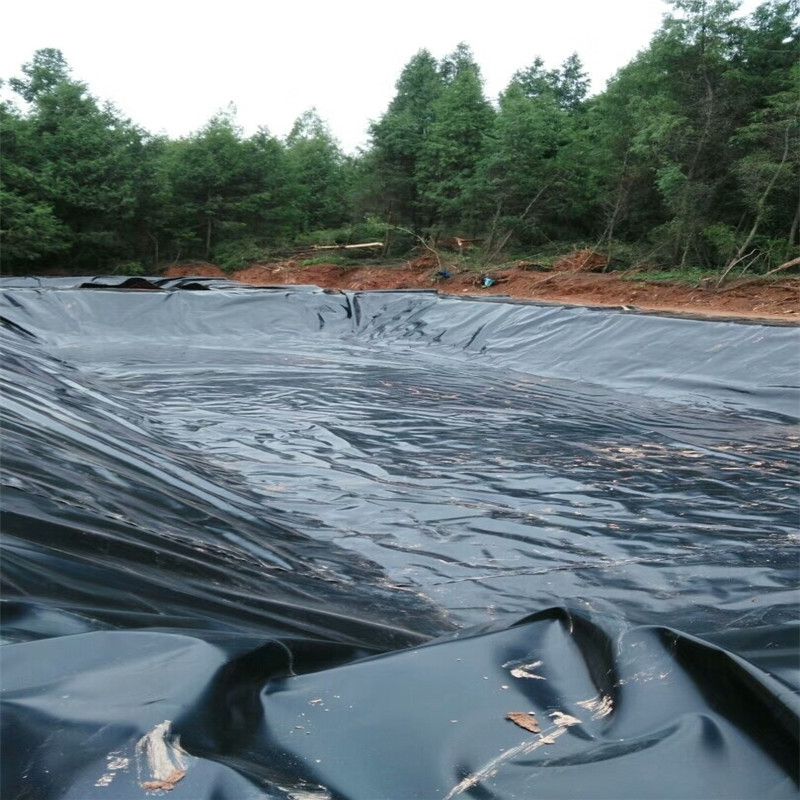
{"type": "Point", "coordinates": [29, 228]}
{"type": "Point", "coordinates": [398, 137]}
{"type": "Point", "coordinates": [455, 144]}
{"type": "Point", "coordinates": [317, 168]}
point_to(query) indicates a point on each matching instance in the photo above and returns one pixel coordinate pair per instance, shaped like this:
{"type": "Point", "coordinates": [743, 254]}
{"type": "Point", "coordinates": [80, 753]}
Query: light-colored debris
{"type": "Point", "coordinates": [524, 720]}
{"type": "Point", "coordinates": [600, 706]}
{"type": "Point", "coordinates": [168, 784]}
{"type": "Point", "coordinates": [115, 762]}
{"type": "Point", "coordinates": [490, 769]}
{"type": "Point", "coordinates": [310, 793]}
{"type": "Point", "coordinates": [525, 671]}
{"type": "Point", "coordinates": [367, 245]}
{"type": "Point", "coordinates": [564, 720]}
{"type": "Point", "coordinates": [161, 762]}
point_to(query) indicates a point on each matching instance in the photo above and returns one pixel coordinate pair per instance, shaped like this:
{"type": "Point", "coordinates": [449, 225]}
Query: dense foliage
{"type": "Point", "coordinates": [691, 153]}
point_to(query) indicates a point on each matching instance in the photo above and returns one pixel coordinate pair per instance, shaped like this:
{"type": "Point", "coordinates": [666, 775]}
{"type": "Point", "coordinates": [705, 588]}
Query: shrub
{"type": "Point", "coordinates": [133, 268]}
{"type": "Point", "coordinates": [371, 229]}
{"type": "Point", "coordinates": [337, 261]}
{"type": "Point", "coordinates": [239, 254]}
{"type": "Point", "coordinates": [722, 241]}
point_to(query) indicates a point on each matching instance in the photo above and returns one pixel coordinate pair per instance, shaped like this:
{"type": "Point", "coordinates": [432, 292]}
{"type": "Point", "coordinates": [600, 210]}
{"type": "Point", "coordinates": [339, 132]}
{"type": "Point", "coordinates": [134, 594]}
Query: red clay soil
{"type": "Point", "coordinates": [748, 299]}
{"type": "Point", "coordinates": [581, 261]}
{"type": "Point", "coordinates": [199, 269]}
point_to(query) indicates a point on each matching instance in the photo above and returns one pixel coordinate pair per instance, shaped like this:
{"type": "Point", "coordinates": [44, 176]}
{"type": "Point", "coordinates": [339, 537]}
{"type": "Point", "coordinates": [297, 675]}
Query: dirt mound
{"type": "Point", "coordinates": [291, 274]}
{"type": "Point", "coordinates": [200, 269]}
{"type": "Point", "coordinates": [581, 261]}
{"type": "Point", "coordinates": [423, 262]}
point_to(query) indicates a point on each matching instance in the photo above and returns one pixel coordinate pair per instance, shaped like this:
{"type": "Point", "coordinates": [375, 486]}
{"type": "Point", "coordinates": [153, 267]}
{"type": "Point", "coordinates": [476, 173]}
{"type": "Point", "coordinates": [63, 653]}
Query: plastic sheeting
{"type": "Point", "coordinates": [298, 544]}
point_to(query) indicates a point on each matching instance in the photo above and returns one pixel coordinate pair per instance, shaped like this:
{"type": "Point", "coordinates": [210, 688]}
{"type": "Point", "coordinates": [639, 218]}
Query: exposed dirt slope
{"type": "Point", "coordinates": [750, 299]}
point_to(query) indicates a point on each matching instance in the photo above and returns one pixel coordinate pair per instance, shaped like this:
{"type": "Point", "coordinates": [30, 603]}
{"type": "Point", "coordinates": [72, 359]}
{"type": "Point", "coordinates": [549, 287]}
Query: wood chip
{"type": "Point", "coordinates": [167, 785]}
{"type": "Point", "coordinates": [526, 721]}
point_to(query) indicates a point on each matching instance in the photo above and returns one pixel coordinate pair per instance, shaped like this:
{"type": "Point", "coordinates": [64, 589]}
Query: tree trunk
{"type": "Point", "coordinates": [695, 160]}
{"type": "Point", "coordinates": [155, 248]}
{"type": "Point", "coordinates": [429, 246]}
{"type": "Point", "coordinates": [762, 201]}
{"type": "Point", "coordinates": [733, 264]}
{"type": "Point", "coordinates": [503, 240]}
{"type": "Point", "coordinates": [493, 229]}
{"type": "Point", "coordinates": [795, 262]}
{"type": "Point", "coordinates": [608, 235]}
{"type": "Point", "coordinates": [358, 246]}
{"type": "Point", "coordinates": [387, 239]}
{"type": "Point", "coordinates": [795, 221]}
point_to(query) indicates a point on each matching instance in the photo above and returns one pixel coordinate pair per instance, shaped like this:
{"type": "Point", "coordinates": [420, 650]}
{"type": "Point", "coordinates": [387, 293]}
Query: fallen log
{"type": "Point", "coordinates": [347, 246]}
{"type": "Point", "coordinates": [795, 262]}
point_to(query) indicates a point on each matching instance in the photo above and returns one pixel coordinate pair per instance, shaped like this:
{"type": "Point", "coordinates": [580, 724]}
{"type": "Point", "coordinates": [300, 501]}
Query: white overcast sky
{"type": "Point", "coordinates": [169, 65]}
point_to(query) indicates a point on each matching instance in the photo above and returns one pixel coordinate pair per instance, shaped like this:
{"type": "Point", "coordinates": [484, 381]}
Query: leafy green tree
{"type": "Point", "coordinates": [456, 141]}
{"type": "Point", "coordinates": [692, 120]}
{"type": "Point", "coordinates": [618, 150]}
{"type": "Point", "coordinates": [84, 160]}
{"type": "Point", "coordinates": [456, 63]}
{"type": "Point", "coordinates": [691, 149]}
{"type": "Point", "coordinates": [519, 173]}
{"type": "Point", "coordinates": [572, 84]}
{"type": "Point", "coordinates": [768, 171]}
{"type": "Point", "coordinates": [765, 78]}
{"type": "Point", "coordinates": [397, 140]}
{"type": "Point", "coordinates": [226, 187]}
{"type": "Point", "coordinates": [567, 86]}
{"type": "Point", "coordinates": [317, 168]}
{"type": "Point", "coordinates": [529, 167]}
{"type": "Point", "coordinates": [41, 74]}
{"type": "Point", "coordinates": [29, 228]}
{"type": "Point", "coordinates": [151, 236]}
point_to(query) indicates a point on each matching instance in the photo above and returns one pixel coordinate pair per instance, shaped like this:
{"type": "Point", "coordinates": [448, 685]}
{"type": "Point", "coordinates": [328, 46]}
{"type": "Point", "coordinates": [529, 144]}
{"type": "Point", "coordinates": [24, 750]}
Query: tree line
{"type": "Point", "coordinates": [689, 157]}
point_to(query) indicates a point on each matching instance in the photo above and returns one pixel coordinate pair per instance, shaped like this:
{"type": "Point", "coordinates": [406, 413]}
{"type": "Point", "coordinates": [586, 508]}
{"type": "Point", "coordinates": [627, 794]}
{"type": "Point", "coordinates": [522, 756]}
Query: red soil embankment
{"type": "Point", "coordinates": [745, 299]}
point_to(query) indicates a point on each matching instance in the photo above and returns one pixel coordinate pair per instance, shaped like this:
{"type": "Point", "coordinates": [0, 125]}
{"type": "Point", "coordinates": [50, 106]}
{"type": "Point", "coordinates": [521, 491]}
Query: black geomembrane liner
{"type": "Point", "coordinates": [287, 543]}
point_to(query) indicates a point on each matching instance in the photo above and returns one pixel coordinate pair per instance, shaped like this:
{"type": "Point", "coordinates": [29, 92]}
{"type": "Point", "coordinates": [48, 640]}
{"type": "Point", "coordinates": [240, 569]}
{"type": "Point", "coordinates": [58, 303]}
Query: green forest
{"type": "Point", "coordinates": [688, 159]}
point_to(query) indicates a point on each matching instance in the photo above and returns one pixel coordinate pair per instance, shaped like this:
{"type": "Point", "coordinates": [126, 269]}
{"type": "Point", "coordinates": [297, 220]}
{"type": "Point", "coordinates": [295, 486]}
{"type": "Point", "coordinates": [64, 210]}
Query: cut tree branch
{"type": "Point", "coordinates": [733, 264]}
{"type": "Point", "coordinates": [423, 243]}
{"type": "Point", "coordinates": [762, 202]}
{"type": "Point", "coordinates": [795, 262]}
{"type": "Point", "coordinates": [363, 246]}
{"type": "Point", "coordinates": [498, 248]}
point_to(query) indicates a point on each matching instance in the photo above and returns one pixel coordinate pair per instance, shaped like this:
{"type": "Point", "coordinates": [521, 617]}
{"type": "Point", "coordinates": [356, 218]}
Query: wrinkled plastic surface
{"type": "Point", "coordinates": [333, 539]}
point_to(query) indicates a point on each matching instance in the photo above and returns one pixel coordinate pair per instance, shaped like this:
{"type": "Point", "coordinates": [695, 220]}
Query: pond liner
{"type": "Point", "coordinates": [303, 544]}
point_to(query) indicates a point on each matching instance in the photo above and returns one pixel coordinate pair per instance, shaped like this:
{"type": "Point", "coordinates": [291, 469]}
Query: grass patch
{"type": "Point", "coordinates": [336, 261]}
{"type": "Point", "coordinates": [692, 276]}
